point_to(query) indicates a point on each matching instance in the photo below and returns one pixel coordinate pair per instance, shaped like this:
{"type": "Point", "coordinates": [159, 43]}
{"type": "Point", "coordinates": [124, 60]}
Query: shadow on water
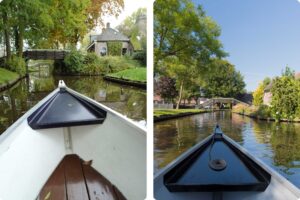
{"type": "Point", "coordinates": [14, 102]}
{"type": "Point", "coordinates": [276, 144]}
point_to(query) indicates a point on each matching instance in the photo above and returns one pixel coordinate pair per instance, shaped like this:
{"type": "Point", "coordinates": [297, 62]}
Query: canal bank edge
{"type": "Point", "coordinates": [173, 116]}
{"type": "Point", "coordinates": [138, 84]}
{"type": "Point", "coordinates": [11, 83]}
{"type": "Point", "coordinates": [267, 119]}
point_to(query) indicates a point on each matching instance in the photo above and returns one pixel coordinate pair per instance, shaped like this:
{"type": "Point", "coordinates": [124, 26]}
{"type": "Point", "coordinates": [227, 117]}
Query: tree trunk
{"type": "Point", "coordinates": [180, 95]}
{"type": "Point", "coordinates": [16, 37]}
{"type": "Point", "coordinates": [20, 41]}
{"type": "Point", "coordinates": [6, 36]}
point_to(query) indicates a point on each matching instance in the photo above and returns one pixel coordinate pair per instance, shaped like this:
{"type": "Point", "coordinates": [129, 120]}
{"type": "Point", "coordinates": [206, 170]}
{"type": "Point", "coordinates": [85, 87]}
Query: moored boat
{"type": "Point", "coordinates": [219, 168]}
{"type": "Point", "coordinates": [69, 146]}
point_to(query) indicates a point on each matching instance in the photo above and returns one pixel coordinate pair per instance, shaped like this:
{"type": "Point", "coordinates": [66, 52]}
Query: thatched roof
{"type": "Point", "coordinates": [109, 34]}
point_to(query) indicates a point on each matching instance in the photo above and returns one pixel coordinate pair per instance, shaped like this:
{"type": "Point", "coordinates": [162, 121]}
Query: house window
{"type": "Point", "coordinates": [103, 51]}
{"type": "Point", "coordinates": [124, 51]}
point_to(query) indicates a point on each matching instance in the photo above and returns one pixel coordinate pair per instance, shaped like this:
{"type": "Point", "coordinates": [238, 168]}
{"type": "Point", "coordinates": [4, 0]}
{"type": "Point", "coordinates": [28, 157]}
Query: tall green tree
{"type": "Point", "coordinates": [185, 41]}
{"type": "Point", "coordinates": [223, 80]}
{"type": "Point", "coordinates": [29, 17]}
{"type": "Point", "coordinates": [184, 31]}
{"type": "Point", "coordinates": [6, 25]}
{"type": "Point", "coordinates": [51, 23]}
{"type": "Point", "coordinates": [183, 72]}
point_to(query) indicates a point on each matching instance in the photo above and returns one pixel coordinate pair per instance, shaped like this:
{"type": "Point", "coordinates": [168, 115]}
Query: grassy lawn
{"type": "Point", "coordinates": [135, 74]}
{"type": "Point", "coordinates": [159, 112]}
{"type": "Point", "coordinates": [6, 76]}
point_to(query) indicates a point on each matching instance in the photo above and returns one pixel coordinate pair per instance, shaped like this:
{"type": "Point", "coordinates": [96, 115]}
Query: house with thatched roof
{"type": "Point", "coordinates": [268, 94]}
{"type": "Point", "coordinates": [110, 42]}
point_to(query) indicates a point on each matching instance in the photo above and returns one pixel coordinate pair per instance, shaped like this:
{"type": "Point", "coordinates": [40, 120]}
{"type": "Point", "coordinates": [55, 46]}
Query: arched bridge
{"type": "Point", "coordinates": [221, 100]}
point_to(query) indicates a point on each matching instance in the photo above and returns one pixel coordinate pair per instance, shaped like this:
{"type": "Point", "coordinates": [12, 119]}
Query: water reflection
{"type": "Point", "coordinates": [17, 100]}
{"type": "Point", "coordinates": [278, 145]}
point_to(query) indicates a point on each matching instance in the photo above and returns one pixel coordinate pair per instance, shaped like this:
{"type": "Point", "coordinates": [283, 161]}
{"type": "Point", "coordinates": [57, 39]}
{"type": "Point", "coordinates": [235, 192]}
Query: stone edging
{"type": "Point", "coordinates": [8, 85]}
{"type": "Point", "coordinates": [138, 84]}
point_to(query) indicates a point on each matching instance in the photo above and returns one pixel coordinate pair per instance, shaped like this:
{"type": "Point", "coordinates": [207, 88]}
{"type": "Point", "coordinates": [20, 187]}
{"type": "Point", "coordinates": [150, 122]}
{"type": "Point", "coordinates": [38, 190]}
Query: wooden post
{"type": "Point", "coordinates": [27, 70]}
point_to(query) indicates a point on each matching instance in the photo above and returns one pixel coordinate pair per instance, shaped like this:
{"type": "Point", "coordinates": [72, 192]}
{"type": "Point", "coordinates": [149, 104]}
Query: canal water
{"type": "Point", "coordinates": [129, 101]}
{"type": "Point", "coordinates": [276, 144]}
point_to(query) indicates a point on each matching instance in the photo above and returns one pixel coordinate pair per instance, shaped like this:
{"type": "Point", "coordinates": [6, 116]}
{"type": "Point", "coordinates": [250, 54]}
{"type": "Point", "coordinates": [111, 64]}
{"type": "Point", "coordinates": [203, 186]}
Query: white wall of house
{"type": "Point", "coordinates": [267, 98]}
{"type": "Point", "coordinates": [100, 45]}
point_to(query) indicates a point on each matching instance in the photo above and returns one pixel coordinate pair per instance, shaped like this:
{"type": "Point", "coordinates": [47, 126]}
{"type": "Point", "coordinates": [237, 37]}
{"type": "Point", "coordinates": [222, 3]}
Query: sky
{"type": "Point", "coordinates": [261, 36]}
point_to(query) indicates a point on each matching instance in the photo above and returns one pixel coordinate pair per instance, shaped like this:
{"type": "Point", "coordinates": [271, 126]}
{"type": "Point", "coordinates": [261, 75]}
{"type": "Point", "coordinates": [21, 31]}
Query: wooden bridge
{"type": "Point", "coordinates": [221, 100]}
{"type": "Point", "coordinates": [45, 54]}
{"type": "Point", "coordinates": [42, 54]}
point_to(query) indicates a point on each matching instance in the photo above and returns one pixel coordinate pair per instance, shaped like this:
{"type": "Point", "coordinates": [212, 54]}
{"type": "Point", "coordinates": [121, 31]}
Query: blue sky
{"type": "Point", "coordinates": [261, 36]}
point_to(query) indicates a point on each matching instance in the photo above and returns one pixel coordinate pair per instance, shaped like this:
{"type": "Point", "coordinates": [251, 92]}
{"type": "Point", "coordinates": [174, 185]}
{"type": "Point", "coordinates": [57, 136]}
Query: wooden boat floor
{"type": "Point", "coordinates": [75, 179]}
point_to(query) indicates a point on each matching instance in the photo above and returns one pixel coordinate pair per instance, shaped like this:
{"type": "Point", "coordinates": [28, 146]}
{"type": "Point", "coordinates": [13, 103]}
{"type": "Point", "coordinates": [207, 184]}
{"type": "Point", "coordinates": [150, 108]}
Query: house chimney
{"type": "Point", "coordinates": [107, 25]}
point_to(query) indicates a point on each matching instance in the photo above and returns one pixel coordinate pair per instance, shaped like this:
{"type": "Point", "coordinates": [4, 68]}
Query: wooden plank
{"type": "Point", "coordinates": [98, 186]}
{"type": "Point", "coordinates": [55, 186]}
{"type": "Point", "coordinates": [75, 183]}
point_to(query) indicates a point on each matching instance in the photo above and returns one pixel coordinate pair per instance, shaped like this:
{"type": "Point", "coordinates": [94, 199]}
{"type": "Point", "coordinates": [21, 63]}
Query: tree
{"type": "Point", "coordinates": [4, 8]}
{"type": "Point", "coordinates": [184, 74]}
{"type": "Point", "coordinates": [223, 80]}
{"type": "Point", "coordinates": [166, 88]}
{"type": "Point", "coordinates": [135, 29]}
{"type": "Point", "coordinates": [285, 97]}
{"type": "Point", "coordinates": [184, 31]}
{"type": "Point", "coordinates": [51, 23]}
{"type": "Point", "coordinates": [288, 72]}
{"type": "Point", "coordinates": [98, 8]}
{"type": "Point", "coordinates": [258, 95]}
{"type": "Point", "coordinates": [266, 81]}
{"type": "Point", "coordinates": [185, 41]}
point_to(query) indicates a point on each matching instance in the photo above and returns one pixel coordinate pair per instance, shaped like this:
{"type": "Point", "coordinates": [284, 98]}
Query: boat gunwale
{"type": "Point", "coordinates": [274, 175]}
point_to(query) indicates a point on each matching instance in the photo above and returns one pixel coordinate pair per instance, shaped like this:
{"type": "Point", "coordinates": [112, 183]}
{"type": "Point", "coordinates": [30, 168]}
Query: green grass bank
{"type": "Point", "coordinates": [165, 114]}
{"type": "Point", "coordinates": [7, 76]}
{"type": "Point", "coordinates": [135, 74]}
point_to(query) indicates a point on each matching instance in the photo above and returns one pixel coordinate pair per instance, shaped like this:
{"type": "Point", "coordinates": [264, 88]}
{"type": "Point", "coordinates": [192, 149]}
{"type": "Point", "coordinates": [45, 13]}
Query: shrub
{"type": "Point", "coordinates": [113, 64]}
{"type": "Point", "coordinates": [93, 65]}
{"type": "Point", "coordinates": [285, 97]}
{"type": "Point", "coordinates": [114, 48]}
{"type": "Point", "coordinates": [263, 111]}
{"type": "Point", "coordinates": [16, 64]}
{"type": "Point", "coordinates": [141, 57]}
{"type": "Point", "coordinates": [74, 62]}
